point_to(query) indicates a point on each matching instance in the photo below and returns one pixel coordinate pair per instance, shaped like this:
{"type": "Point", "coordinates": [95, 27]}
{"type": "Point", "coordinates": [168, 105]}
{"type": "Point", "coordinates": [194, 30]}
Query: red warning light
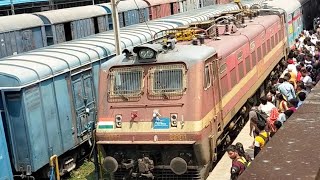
{"type": "Point", "coordinates": [134, 114]}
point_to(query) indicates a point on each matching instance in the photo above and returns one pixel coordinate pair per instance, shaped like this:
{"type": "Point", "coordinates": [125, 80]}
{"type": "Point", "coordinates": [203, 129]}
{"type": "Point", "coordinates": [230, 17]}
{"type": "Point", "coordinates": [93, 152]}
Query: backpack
{"type": "Point", "coordinates": [262, 117]}
{"type": "Point", "coordinates": [244, 161]}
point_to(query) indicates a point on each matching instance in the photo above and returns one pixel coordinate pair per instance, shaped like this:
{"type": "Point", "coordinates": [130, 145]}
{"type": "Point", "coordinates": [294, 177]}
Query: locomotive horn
{"type": "Point", "coordinates": [110, 164]}
{"type": "Point", "coordinates": [178, 165]}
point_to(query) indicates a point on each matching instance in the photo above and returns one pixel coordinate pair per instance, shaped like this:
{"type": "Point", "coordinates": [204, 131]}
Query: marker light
{"type": "Point", "coordinates": [118, 120]}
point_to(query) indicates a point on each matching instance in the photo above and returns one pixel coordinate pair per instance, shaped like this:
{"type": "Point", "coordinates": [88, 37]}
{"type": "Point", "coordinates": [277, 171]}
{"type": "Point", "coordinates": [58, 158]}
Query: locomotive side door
{"type": "Point", "coordinates": [84, 102]}
{"type": "Point", "coordinates": [216, 121]}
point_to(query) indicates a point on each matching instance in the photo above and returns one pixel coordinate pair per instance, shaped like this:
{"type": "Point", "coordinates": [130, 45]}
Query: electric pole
{"type": "Point", "coordinates": [116, 28]}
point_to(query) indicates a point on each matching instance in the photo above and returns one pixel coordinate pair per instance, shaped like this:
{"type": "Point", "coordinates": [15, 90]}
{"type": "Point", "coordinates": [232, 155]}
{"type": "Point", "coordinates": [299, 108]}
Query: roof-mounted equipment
{"type": "Point", "coordinates": [148, 52]}
{"type": "Point", "coordinates": [169, 44]}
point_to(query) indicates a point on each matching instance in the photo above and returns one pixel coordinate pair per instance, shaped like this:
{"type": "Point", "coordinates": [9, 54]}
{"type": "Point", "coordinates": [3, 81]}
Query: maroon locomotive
{"type": "Point", "coordinates": [165, 112]}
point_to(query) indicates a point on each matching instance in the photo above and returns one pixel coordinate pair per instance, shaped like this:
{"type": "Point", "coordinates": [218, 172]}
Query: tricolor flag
{"type": "Point", "coordinates": [105, 125]}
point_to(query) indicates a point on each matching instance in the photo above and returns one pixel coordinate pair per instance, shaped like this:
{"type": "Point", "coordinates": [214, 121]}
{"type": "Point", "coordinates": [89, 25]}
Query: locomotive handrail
{"type": "Point", "coordinates": [54, 163]}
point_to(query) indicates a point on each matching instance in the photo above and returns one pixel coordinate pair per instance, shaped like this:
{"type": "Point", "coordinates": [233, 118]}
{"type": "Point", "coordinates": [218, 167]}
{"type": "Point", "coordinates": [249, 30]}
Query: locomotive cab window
{"type": "Point", "coordinates": [125, 81]}
{"type": "Point", "coordinates": [167, 79]}
{"type": "Point", "coordinates": [207, 80]}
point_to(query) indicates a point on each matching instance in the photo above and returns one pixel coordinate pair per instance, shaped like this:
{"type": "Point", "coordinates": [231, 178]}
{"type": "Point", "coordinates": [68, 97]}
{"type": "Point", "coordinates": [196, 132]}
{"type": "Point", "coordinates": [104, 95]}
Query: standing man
{"type": "Point", "coordinates": [286, 88]}
{"type": "Point", "coordinates": [261, 140]}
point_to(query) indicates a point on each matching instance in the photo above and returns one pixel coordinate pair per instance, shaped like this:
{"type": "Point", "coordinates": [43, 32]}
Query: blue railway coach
{"type": "Point", "coordinates": [20, 33]}
{"type": "Point", "coordinates": [48, 97]}
{"type": "Point", "coordinates": [25, 32]}
{"type": "Point", "coordinates": [73, 23]}
{"type": "Point", "coordinates": [130, 12]}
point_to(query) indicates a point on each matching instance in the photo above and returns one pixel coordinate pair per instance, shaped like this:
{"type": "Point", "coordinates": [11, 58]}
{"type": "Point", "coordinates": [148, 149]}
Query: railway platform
{"type": "Point", "coordinates": [222, 169]}
{"type": "Point", "coordinates": [293, 152]}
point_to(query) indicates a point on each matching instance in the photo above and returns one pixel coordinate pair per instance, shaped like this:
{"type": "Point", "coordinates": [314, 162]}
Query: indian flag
{"type": "Point", "coordinates": [105, 125]}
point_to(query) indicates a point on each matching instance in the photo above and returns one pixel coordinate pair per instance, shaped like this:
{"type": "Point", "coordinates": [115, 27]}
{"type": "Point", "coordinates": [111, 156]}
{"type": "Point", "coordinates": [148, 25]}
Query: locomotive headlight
{"type": "Point", "coordinates": [118, 121]}
{"type": "Point", "coordinates": [146, 53]}
{"type": "Point", "coordinates": [173, 119]}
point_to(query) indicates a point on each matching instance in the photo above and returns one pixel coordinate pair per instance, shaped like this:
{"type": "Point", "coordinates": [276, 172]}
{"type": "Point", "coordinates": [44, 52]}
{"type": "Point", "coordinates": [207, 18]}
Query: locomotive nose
{"type": "Point", "coordinates": [110, 164]}
{"type": "Point", "coordinates": [178, 165]}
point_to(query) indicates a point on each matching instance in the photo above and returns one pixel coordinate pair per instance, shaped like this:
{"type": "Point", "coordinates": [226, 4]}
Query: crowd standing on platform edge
{"type": "Point", "coordinates": [286, 93]}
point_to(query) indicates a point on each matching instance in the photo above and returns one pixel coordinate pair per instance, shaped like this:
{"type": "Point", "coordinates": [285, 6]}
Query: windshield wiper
{"type": "Point", "coordinates": [164, 94]}
{"type": "Point", "coordinates": [124, 97]}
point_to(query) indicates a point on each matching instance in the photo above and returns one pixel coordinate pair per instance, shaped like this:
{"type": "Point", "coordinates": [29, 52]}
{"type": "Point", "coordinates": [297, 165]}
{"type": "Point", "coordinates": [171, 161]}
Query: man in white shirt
{"type": "Point", "coordinates": [307, 80]}
{"type": "Point", "coordinates": [266, 106]}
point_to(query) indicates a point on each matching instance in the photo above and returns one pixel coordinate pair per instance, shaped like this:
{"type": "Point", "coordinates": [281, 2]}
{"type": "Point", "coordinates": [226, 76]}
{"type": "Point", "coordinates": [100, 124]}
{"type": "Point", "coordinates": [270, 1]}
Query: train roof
{"type": "Point", "coordinates": [289, 6]}
{"type": "Point", "coordinates": [157, 2]}
{"type": "Point", "coordinates": [228, 45]}
{"type": "Point", "coordinates": [71, 14]}
{"type": "Point", "coordinates": [188, 54]}
{"type": "Point", "coordinates": [27, 68]}
{"type": "Point", "coordinates": [18, 22]}
{"type": "Point", "coordinates": [253, 29]}
{"type": "Point", "coordinates": [35, 66]}
{"type": "Point", "coordinates": [202, 14]}
{"type": "Point", "coordinates": [126, 5]}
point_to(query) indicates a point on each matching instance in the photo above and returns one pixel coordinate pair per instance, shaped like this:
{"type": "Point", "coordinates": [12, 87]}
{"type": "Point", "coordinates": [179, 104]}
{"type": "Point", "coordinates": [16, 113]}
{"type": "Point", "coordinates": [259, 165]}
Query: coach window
{"type": "Point", "coordinates": [248, 66]}
{"type": "Point", "coordinates": [264, 50]}
{"type": "Point", "coordinates": [223, 68]}
{"type": "Point", "coordinates": [272, 42]}
{"type": "Point", "coordinates": [207, 80]}
{"type": "Point", "coordinates": [268, 46]}
{"type": "Point", "coordinates": [233, 76]}
{"type": "Point", "coordinates": [259, 54]}
{"type": "Point", "coordinates": [68, 31]}
{"type": "Point", "coordinates": [277, 38]}
{"type": "Point", "coordinates": [254, 58]}
{"type": "Point", "coordinates": [281, 35]}
{"type": "Point", "coordinates": [214, 71]}
{"type": "Point", "coordinates": [239, 56]}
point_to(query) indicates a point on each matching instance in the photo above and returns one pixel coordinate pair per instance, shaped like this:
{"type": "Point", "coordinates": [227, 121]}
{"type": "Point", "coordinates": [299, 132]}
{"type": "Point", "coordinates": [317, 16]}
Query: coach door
{"type": "Point", "coordinates": [84, 102]}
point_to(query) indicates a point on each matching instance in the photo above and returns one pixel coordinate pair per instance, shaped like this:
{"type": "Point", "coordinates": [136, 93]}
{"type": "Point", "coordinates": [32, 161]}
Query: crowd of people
{"type": "Point", "coordinates": [286, 93]}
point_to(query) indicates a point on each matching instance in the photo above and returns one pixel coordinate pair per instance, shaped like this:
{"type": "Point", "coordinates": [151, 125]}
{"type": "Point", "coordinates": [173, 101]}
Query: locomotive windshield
{"type": "Point", "coordinates": [168, 79]}
{"type": "Point", "coordinates": [126, 82]}
{"type": "Point", "coordinates": [163, 81]}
